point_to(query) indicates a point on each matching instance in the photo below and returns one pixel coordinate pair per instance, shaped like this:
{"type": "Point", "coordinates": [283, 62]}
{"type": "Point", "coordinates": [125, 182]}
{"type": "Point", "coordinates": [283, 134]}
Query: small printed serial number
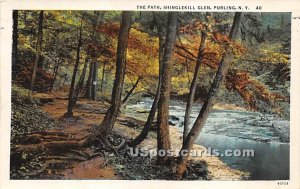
{"type": "Point", "coordinates": [258, 8]}
{"type": "Point", "coordinates": [282, 183]}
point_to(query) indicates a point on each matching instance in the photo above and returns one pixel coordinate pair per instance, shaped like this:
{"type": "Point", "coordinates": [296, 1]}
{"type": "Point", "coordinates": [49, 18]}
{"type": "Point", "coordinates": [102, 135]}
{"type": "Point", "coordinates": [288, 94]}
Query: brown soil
{"type": "Point", "coordinates": [89, 113]}
{"type": "Point", "coordinates": [90, 169]}
{"type": "Point", "coordinates": [77, 128]}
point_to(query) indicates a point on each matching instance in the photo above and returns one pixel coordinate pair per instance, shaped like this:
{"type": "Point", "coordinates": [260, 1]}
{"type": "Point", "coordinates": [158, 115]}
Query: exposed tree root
{"type": "Point", "coordinates": [49, 133]}
{"type": "Point", "coordinates": [91, 156]}
{"type": "Point", "coordinates": [37, 138]}
{"type": "Point", "coordinates": [58, 148]}
{"type": "Point", "coordinates": [55, 146]}
{"type": "Point", "coordinates": [51, 137]}
{"type": "Point", "coordinates": [56, 143]}
{"type": "Point", "coordinates": [66, 158]}
{"type": "Point", "coordinates": [78, 152]}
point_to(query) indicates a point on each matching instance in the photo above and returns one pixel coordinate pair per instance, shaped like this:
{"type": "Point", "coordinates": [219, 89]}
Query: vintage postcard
{"type": "Point", "coordinates": [149, 94]}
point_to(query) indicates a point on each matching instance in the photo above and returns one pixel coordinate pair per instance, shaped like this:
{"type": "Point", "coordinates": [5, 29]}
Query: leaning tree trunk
{"type": "Point", "coordinates": [131, 91]}
{"type": "Point", "coordinates": [15, 44]}
{"type": "Point", "coordinates": [38, 50]}
{"type": "Point", "coordinates": [163, 136]}
{"type": "Point", "coordinates": [191, 95]}
{"type": "Point", "coordinates": [69, 113]}
{"type": "Point", "coordinates": [142, 136]}
{"type": "Point", "coordinates": [208, 103]}
{"type": "Point", "coordinates": [109, 120]}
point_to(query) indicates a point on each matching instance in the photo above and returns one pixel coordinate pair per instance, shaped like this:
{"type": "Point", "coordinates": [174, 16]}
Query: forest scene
{"type": "Point", "coordinates": [128, 95]}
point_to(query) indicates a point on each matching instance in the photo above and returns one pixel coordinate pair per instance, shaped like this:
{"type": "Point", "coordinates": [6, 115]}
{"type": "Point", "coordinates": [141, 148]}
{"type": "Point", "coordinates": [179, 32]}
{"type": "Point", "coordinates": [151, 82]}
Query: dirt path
{"type": "Point", "coordinates": [78, 127]}
{"type": "Point", "coordinates": [90, 113]}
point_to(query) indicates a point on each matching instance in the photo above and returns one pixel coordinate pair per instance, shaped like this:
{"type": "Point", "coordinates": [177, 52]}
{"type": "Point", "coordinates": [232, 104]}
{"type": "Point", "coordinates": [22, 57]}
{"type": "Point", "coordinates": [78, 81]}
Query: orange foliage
{"type": "Point", "coordinates": [142, 53]}
{"type": "Point", "coordinates": [221, 38]}
{"type": "Point", "coordinates": [211, 55]}
{"type": "Point", "coordinates": [137, 40]}
{"type": "Point", "coordinates": [239, 81]}
{"type": "Point", "coordinates": [96, 50]}
{"type": "Point", "coordinates": [250, 89]}
{"type": "Point", "coordinates": [265, 94]}
{"type": "Point", "coordinates": [225, 42]}
{"type": "Point", "coordinates": [109, 29]}
{"type": "Point", "coordinates": [192, 28]}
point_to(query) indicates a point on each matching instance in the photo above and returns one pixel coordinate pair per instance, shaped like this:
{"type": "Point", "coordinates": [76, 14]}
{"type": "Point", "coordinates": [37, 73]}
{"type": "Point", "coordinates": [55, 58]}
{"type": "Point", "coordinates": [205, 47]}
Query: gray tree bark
{"type": "Point", "coordinates": [95, 80]}
{"type": "Point", "coordinates": [209, 102]}
{"type": "Point", "coordinates": [69, 113]}
{"type": "Point", "coordinates": [142, 136]}
{"type": "Point", "coordinates": [109, 120]}
{"type": "Point", "coordinates": [193, 86]}
{"type": "Point", "coordinates": [38, 49]}
{"type": "Point", "coordinates": [131, 91]}
{"type": "Point", "coordinates": [163, 136]}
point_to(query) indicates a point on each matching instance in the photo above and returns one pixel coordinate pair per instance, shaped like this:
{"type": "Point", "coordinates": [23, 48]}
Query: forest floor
{"type": "Point", "coordinates": [107, 164]}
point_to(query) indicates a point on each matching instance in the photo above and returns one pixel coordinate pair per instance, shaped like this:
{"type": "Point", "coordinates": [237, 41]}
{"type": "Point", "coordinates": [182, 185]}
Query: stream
{"type": "Point", "coordinates": [267, 135]}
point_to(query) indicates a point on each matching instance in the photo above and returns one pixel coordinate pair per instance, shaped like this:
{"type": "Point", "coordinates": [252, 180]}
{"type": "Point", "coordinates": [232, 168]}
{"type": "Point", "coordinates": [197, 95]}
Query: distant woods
{"type": "Point", "coordinates": [113, 56]}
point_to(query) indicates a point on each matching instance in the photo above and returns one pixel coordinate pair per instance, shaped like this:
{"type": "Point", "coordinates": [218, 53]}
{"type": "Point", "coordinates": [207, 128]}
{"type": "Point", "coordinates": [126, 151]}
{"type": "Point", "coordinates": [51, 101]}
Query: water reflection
{"type": "Point", "coordinates": [271, 160]}
{"type": "Point", "coordinates": [227, 129]}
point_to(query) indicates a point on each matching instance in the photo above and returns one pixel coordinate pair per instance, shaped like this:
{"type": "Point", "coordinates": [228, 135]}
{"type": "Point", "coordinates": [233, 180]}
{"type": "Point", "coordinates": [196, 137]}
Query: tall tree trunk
{"type": "Point", "coordinates": [102, 78]}
{"type": "Point", "coordinates": [90, 89]}
{"type": "Point", "coordinates": [38, 49]}
{"type": "Point", "coordinates": [15, 44]}
{"type": "Point", "coordinates": [69, 113]}
{"type": "Point", "coordinates": [55, 70]}
{"type": "Point", "coordinates": [80, 82]}
{"type": "Point", "coordinates": [109, 120]}
{"type": "Point", "coordinates": [95, 81]}
{"type": "Point", "coordinates": [187, 70]}
{"type": "Point", "coordinates": [209, 101]}
{"type": "Point", "coordinates": [163, 136]}
{"type": "Point", "coordinates": [131, 90]}
{"type": "Point", "coordinates": [142, 136]}
{"type": "Point", "coordinates": [191, 95]}
{"type": "Point", "coordinates": [89, 82]}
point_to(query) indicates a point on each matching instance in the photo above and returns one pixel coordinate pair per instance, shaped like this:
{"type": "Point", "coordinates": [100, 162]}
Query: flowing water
{"type": "Point", "coordinates": [266, 135]}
